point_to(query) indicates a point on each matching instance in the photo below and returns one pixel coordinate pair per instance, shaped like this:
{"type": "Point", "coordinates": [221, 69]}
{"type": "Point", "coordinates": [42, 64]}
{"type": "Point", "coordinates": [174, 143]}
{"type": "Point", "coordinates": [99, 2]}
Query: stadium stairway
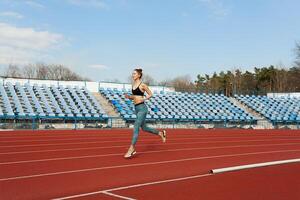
{"type": "Point", "coordinates": [262, 122]}
{"type": "Point", "coordinates": [116, 120]}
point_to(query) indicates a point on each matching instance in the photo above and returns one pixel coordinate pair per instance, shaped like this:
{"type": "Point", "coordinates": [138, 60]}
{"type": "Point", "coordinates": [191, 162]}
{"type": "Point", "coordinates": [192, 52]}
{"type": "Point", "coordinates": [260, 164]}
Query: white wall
{"type": "Point", "coordinates": [276, 95]}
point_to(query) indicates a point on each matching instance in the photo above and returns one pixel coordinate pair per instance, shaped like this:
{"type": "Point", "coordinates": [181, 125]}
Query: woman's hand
{"type": "Point", "coordinates": [127, 96]}
{"type": "Point", "coordinates": [138, 99]}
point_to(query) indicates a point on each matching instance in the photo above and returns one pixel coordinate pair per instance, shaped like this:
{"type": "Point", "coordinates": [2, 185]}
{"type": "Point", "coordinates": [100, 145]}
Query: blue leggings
{"type": "Point", "coordinates": [141, 111]}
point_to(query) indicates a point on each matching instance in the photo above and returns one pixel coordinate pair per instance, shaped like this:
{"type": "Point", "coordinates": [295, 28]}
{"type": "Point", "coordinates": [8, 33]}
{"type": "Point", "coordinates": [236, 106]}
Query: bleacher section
{"type": "Point", "coordinates": [27, 101]}
{"type": "Point", "coordinates": [280, 110]}
{"type": "Point", "coordinates": [180, 106]}
{"type": "Point", "coordinates": [41, 101]}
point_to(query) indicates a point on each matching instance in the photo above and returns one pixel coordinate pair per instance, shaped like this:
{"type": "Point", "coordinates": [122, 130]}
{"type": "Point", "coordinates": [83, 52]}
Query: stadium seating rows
{"type": "Point", "coordinates": [282, 109]}
{"type": "Point", "coordinates": [180, 106]}
{"type": "Point", "coordinates": [26, 101]}
{"type": "Point", "coordinates": [41, 101]}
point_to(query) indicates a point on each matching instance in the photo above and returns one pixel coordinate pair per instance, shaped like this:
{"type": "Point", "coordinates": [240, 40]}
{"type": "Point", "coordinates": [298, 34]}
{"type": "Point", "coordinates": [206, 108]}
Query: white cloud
{"type": "Point", "coordinates": [20, 45]}
{"type": "Point", "coordinates": [16, 3]}
{"type": "Point", "coordinates": [90, 3]}
{"type": "Point", "coordinates": [9, 55]}
{"type": "Point", "coordinates": [34, 4]}
{"type": "Point", "coordinates": [99, 66]}
{"type": "Point", "coordinates": [216, 7]}
{"type": "Point", "coordinates": [11, 14]}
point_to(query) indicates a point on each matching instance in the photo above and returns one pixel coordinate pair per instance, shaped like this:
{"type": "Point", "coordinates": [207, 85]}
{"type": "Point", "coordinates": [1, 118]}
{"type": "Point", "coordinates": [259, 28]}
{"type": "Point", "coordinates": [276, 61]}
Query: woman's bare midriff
{"type": "Point", "coordinates": [138, 99]}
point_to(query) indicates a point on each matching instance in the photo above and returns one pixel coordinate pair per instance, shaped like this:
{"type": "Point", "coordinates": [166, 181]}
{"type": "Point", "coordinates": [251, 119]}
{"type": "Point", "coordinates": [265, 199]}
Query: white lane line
{"type": "Point", "coordinates": [65, 139]}
{"type": "Point", "coordinates": [127, 140]}
{"type": "Point", "coordinates": [143, 164]}
{"type": "Point", "coordinates": [157, 182]}
{"type": "Point", "coordinates": [241, 167]}
{"type": "Point", "coordinates": [134, 186]}
{"type": "Point", "coordinates": [100, 142]}
{"type": "Point", "coordinates": [128, 136]}
{"type": "Point", "coordinates": [144, 152]}
{"type": "Point", "coordinates": [140, 145]}
{"type": "Point", "coordinates": [53, 136]}
{"type": "Point", "coordinates": [94, 193]}
{"type": "Point", "coordinates": [60, 144]}
{"type": "Point", "coordinates": [107, 136]}
{"type": "Point", "coordinates": [117, 196]}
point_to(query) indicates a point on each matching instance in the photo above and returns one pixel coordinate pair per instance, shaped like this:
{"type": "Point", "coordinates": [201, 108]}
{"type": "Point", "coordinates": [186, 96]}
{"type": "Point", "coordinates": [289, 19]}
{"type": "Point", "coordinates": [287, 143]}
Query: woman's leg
{"type": "Point", "coordinates": [146, 128]}
{"type": "Point", "coordinates": [149, 129]}
{"type": "Point", "coordinates": [140, 118]}
{"type": "Point", "coordinates": [141, 113]}
{"type": "Point", "coordinates": [154, 131]}
{"type": "Point", "coordinates": [137, 125]}
{"type": "Point", "coordinates": [162, 134]}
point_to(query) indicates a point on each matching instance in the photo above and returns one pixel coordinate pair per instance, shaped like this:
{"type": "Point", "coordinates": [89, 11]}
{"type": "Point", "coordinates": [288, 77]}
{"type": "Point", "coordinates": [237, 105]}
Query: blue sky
{"type": "Point", "coordinates": [105, 40]}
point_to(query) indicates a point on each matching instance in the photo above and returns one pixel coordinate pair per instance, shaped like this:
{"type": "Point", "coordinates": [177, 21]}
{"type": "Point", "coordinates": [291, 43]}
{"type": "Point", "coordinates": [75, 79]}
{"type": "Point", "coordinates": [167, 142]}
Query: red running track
{"type": "Point", "coordinates": [90, 165]}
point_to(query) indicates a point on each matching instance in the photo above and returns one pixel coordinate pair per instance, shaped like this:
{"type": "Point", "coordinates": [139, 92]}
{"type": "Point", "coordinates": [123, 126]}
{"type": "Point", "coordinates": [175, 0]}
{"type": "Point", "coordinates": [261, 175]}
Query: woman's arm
{"type": "Point", "coordinates": [147, 90]}
{"type": "Point", "coordinates": [129, 96]}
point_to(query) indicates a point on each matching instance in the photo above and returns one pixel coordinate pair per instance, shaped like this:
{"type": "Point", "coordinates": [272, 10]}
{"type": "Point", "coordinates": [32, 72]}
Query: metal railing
{"type": "Point", "coordinates": [118, 122]}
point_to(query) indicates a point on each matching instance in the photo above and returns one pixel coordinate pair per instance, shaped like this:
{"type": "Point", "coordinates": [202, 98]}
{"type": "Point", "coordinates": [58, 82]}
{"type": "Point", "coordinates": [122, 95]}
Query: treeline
{"type": "Point", "coordinates": [261, 81]}
{"type": "Point", "coordinates": [43, 71]}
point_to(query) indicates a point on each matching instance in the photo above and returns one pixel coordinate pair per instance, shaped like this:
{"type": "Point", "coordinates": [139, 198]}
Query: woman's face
{"type": "Point", "coordinates": [135, 75]}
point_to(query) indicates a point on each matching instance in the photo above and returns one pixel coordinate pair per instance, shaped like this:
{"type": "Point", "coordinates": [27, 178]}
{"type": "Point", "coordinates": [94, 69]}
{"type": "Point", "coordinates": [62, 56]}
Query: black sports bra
{"type": "Point", "coordinates": [137, 91]}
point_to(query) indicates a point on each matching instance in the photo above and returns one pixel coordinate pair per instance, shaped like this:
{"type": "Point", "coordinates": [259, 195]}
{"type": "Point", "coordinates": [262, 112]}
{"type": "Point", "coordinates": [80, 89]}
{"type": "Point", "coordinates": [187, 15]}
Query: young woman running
{"type": "Point", "coordinates": [141, 110]}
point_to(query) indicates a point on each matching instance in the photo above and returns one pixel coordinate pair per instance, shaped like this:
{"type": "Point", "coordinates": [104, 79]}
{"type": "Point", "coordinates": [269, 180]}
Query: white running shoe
{"type": "Point", "coordinates": [164, 136]}
{"type": "Point", "coordinates": [130, 154]}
